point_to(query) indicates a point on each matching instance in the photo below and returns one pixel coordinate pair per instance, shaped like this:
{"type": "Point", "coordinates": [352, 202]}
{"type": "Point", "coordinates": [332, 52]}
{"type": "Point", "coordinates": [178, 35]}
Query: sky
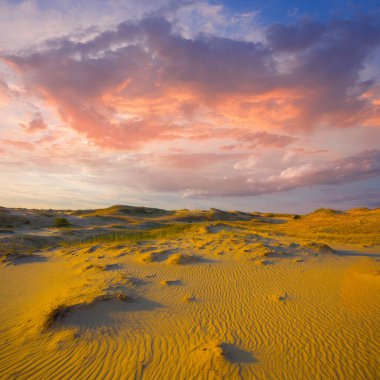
{"type": "Point", "coordinates": [238, 105]}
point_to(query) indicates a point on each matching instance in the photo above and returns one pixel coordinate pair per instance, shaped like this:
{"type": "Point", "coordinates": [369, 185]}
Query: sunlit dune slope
{"type": "Point", "coordinates": [357, 226]}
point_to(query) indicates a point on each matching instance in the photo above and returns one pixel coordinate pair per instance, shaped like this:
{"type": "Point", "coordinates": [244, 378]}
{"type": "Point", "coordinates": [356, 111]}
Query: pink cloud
{"type": "Point", "coordinates": [24, 145]}
{"type": "Point", "coordinates": [36, 124]}
{"type": "Point", "coordinates": [4, 93]}
{"type": "Point", "coordinates": [362, 166]}
{"type": "Point", "coordinates": [192, 161]}
{"type": "Point", "coordinates": [252, 140]}
{"type": "Point", "coordinates": [142, 82]}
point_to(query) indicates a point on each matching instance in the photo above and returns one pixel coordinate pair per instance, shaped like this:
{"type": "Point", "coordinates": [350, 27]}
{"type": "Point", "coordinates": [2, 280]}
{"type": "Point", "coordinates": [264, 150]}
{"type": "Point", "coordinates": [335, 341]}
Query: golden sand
{"type": "Point", "coordinates": [210, 303]}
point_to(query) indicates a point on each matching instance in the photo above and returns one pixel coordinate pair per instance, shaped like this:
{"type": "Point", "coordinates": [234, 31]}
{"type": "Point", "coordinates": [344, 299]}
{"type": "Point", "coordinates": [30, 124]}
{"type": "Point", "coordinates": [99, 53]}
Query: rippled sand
{"type": "Point", "coordinates": [226, 311]}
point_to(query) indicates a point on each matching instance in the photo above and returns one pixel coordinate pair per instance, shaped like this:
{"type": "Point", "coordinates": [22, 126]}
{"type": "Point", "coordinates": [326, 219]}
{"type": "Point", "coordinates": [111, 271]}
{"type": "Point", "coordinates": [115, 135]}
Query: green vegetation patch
{"type": "Point", "coordinates": [61, 222]}
{"type": "Point", "coordinates": [135, 236]}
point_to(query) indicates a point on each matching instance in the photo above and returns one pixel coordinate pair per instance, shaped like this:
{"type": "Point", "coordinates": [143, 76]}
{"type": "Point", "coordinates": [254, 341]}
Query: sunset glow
{"type": "Point", "coordinates": [197, 104]}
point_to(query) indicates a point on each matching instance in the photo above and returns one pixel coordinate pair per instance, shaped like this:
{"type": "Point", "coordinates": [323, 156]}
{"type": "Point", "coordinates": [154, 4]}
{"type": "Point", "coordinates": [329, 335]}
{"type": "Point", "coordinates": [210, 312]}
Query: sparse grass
{"type": "Point", "coordinates": [260, 249]}
{"type": "Point", "coordinates": [135, 236]}
{"type": "Point", "coordinates": [123, 297]}
{"type": "Point", "coordinates": [181, 259]}
{"type": "Point", "coordinates": [7, 220]}
{"type": "Point", "coordinates": [357, 226]}
{"type": "Point", "coordinates": [262, 262]}
{"type": "Point", "coordinates": [210, 215]}
{"type": "Point", "coordinates": [150, 257]}
{"type": "Point", "coordinates": [56, 315]}
{"type": "Point", "coordinates": [319, 247]}
{"type": "Point", "coordinates": [11, 247]}
{"type": "Point", "coordinates": [14, 249]}
{"type": "Point", "coordinates": [189, 298]}
{"type": "Point", "coordinates": [170, 282]}
{"type": "Point", "coordinates": [121, 210]}
{"type": "Point", "coordinates": [279, 297]}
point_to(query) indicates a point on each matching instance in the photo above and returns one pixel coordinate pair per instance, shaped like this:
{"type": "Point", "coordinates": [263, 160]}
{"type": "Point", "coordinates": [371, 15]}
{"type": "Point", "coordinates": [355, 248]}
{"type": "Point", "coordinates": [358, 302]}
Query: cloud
{"type": "Point", "coordinates": [4, 93]}
{"type": "Point", "coordinates": [246, 164]}
{"type": "Point", "coordinates": [143, 82]}
{"type": "Point", "coordinates": [192, 18]}
{"type": "Point", "coordinates": [296, 172]}
{"type": "Point", "coordinates": [191, 161]}
{"type": "Point", "coordinates": [36, 124]}
{"type": "Point", "coordinates": [18, 144]}
{"type": "Point", "coordinates": [169, 103]}
{"type": "Point", "coordinates": [362, 166]}
{"type": "Point", "coordinates": [27, 23]}
{"type": "Point", "coordinates": [253, 140]}
{"type": "Point", "coordinates": [296, 37]}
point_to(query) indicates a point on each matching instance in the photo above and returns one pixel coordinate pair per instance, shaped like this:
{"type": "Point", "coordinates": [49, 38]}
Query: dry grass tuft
{"type": "Point", "coordinates": [260, 249]}
{"type": "Point", "coordinates": [189, 299]}
{"type": "Point", "coordinates": [123, 297]}
{"type": "Point", "coordinates": [319, 247]}
{"type": "Point", "coordinates": [181, 259]}
{"type": "Point", "coordinates": [262, 262]}
{"type": "Point", "coordinates": [279, 297]}
{"type": "Point", "coordinates": [170, 282]}
{"type": "Point", "coordinates": [151, 257]}
{"type": "Point", "coordinates": [56, 315]}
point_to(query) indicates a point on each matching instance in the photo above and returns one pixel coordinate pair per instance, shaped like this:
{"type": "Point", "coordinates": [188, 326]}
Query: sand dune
{"type": "Point", "coordinates": [226, 299]}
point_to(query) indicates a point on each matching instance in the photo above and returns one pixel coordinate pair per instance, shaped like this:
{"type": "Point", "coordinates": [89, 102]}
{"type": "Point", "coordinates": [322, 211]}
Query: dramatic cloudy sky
{"type": "Point", "coordinates": [251, 105]}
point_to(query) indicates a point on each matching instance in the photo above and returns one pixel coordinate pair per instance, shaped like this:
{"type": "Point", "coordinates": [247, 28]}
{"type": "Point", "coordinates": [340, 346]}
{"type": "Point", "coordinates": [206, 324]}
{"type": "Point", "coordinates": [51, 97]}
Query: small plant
{"type": "Point", "coordinates": [180, 259]}
{"type": "Point", "coordinates": [123, 297]}
{"type": "Point", "coordinates": [61, 222]}
{"type": "Point", "coordinates": [295, 217]}
{"type": "Point", "coordinates": [55, 315]}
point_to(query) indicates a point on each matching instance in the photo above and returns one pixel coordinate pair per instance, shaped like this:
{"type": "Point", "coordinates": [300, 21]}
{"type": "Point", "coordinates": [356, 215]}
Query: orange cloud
{"type": "Point", "coordinates": [160, 86]}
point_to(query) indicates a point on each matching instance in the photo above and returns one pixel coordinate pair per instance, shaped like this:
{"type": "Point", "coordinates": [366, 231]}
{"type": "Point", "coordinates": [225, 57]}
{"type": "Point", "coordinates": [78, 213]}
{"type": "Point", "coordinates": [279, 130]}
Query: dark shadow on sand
{"type": "Point", "coordinates": [104, 313]}
{"type": "Point", "coordinates": [357, 254]}
{"type": "Point", "coordinates": [236, 354]}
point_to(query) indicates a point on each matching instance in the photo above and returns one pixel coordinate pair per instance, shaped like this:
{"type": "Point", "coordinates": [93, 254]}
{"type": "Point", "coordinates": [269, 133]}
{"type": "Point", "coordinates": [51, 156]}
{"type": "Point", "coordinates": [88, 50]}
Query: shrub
{"type": "Point", "coordinates": [61, 222]}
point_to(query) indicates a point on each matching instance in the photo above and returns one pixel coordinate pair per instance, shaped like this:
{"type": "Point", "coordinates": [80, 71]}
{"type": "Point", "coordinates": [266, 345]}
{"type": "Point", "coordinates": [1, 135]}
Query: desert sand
{"type": "Point", "coordinates": [138, 293]}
